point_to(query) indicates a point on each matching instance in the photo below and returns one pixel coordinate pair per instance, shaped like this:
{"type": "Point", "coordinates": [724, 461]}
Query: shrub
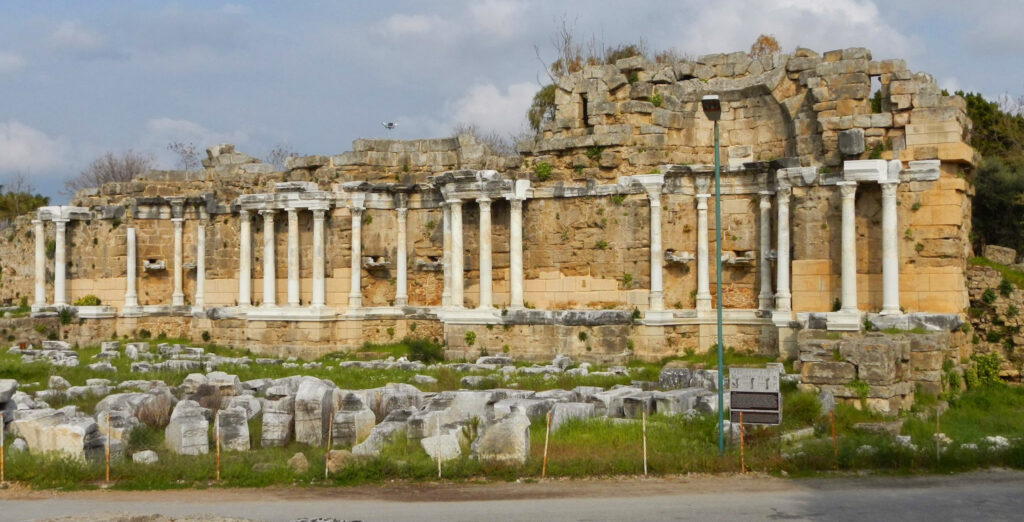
{"type": "Point", "coordinates": [145, 334]}
{"type": "Point", "coordinates": [1005, 287]}
{"type": "Point", "coordinates": [65, 316]}
{"type": "Point", "coordinates": [987, 368]}
{"type": "Point", "coordinates": [582, 336]}
{"type": "Point", "coordinates": [543, 171]}
{"type": "Point", "coordinates": [424, 350]}
{"type": "Point", "coordinates": [87, 300]}
{"type": "Point", "coordinates": [988, 296]}
{"type": "Point", "coordinates": [618, 199]}
{"type": "Point", "coordinates": [470, 338]}
{"type": "Point", "coordinates": [601, 245]}
{"type": "Point", "coordinates": [593, 153]}
{"type": "Point", "coordinates": [655, 100]}
{"type": "Point", "coordinates": [155, 411]}
{"type": "Point", "coordinates": [206, 336]}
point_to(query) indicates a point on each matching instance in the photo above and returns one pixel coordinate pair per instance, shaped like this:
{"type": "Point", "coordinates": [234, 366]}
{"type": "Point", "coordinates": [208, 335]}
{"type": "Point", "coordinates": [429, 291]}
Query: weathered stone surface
{"type": "Point", "coordinates": [7, 389]}
{"type": "Point", "coordinates": [145, 457]}
{"type": "Point", "coordinates": [186, 434]}
{"type": "Point", "coordinates": [338, 459]}
{"type": "Point", "coordinates": [675, 378]}
{"type": "Point", "coordinates": [828, 372]}
{"type": "Point", "coordinates": [278, 422]}
{"type": "Point", "coordinates": [677, 402]}
{"type": "Point", "coordinates": [234, 429]}
{"type": "Point", "coordinates": [851, 141]}
{"type": "Point", "coordinates": [382, 433]}
{"type": "Point", "coordinates": [352, 427]}
{"type": "Point", "coordinates": [314, 401]}
{"type": "Point", "coordinates": [505, 440]}
{"type": "Point", "coordinates": [298, 463]}
{"type": "Point", "coordinates": [443, 447]}
{"type": "Point", "coordinates": [564, 411]}
{"type": "Point", "coordinates": [999, 254]}
{"type": "Point", "coordinates": [250, 404]}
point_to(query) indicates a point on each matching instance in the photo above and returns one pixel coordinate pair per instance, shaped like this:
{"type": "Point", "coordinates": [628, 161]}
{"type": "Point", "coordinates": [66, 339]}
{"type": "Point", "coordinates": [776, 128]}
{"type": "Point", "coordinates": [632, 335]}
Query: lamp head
{"type": "Point", "coordinates": [712, 107]}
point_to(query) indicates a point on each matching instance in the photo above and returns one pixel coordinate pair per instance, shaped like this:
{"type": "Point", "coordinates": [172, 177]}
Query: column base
{"type": "Point", "coordinates": [131, 311]}
{"type": "Point", "coordinates": [891, 311]}
{"type": "Point", "coordinates": [401, 301]}
{"type": "Point", "coordinates": [843, 320]}
{"type": "Point", "coordinates": [656, 317]}
{"type": "Point", "coordinates": [95, 312]}
{"type": "Point", "coordinates": [782, 318]}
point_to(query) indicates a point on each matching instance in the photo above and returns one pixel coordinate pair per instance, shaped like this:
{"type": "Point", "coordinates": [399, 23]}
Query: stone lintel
{"type": "Point", "coordinates": [62, 213]}
{"type": "Point", "coordinates": [865, 170]}
{"type": "Point", "coordinates": [921, 170]}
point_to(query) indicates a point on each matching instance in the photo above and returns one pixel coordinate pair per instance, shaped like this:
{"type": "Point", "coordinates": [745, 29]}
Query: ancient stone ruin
{"type": "Point", "coordinates": [597, 241]}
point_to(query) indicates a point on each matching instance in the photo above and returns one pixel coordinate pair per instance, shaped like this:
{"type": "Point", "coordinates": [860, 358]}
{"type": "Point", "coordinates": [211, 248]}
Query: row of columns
{"type": "Point", "coordinates": [292, 257]}
{"type": "Point", "coordinates": [131, 294]}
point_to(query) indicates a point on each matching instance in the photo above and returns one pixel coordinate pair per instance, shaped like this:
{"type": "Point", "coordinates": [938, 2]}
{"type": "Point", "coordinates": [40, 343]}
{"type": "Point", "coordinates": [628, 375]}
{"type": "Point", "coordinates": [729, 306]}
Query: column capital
{"type": "Point", "coordinates": [848, 189]}
{"type": "Point", "coordinates": [702, 182]}
{"type": "Point", "coordinates": [292, 211]}
{"type": "Point", "coordinates": [451, 201]}
{"type": "Point", "coordinates": [268, 212]}
{"type": "Point", "coordinates": [319, 213]}
{"type": "Point", "coordinates": [889, 187]}
{"type": "Point", "coordinates": [244, 212]}
{"type": "Point", "coordinates": [702, 201]}
{"type": "Point", "coordinates": [402, 212]}
{"type": "Point", "coordinates": [177, 220]}
{"type": "Point", "coordinates": [60, 221]}
{"type": "Point", "coordinates": [37, 221]}
{"type": "Point", "coordinates": [356, 211]}
{"type": "Point", "coordinates": [484, 201]}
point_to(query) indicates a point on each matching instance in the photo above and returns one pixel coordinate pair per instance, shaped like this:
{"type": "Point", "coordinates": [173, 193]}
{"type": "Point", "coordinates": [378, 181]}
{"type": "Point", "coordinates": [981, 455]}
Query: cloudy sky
{"type": "Point", "coordinates": [78, 79]}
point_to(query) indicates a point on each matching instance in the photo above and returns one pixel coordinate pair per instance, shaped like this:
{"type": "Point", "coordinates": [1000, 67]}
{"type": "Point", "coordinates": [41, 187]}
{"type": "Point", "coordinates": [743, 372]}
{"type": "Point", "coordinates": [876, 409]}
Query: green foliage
{"type": "Point", "coordinates": [582, 336]}
{"type": "Point", "coordinates": [987, 366]}
{"type": "Point", "coordinates": [50, 248]}
{"type": "Point", "coordinates": [601, 244]}
{"type": "Point", "coordinates": [206, 336]}
{"type": "Point", "coordinates": [1005, 287]}
{"type": "Point", "coordinates": [655, 100]}
{"type": "Point", "coordinates": [145, 334]}
{"type": "Point", "coordinates": [861, 388]}
{"type": "Point", "coordinates": [65, 316]}
{"type": "Point", "coordinates": [470, 338]}
{"type": "Point", "coordinates": [627, 280]}
{"type": "Point", "coordinates": [542, 108]}
{"type": "Point", "coordinates": [617, 199]}
{"type": "Point", "coordinates": [1015, 277]}
{"type": "Point", "coordinates": [14, 204]}
{"type": "Point", "coordinates": [988, 296]}
{"type": "Point", "coordinates": [87, 300]}
{"type": "Point", "coordinates": [543, 171]}
{"type": "Point", "coordinates": [876, 102]}
{"type": "Point", "coordinates": [594, 153]}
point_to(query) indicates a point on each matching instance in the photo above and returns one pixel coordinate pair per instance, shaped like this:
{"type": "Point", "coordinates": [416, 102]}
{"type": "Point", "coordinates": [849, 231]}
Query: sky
{"type": "Point", "coordinates": [79, 79]}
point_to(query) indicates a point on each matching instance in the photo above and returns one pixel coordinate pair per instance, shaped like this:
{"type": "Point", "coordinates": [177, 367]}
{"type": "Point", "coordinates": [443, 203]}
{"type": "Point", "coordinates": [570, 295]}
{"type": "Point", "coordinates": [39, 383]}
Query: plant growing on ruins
{"type": "Point", "coordinates": [630, 344]}
{"type": "Point", "coordinates": [918, 248]}
{"type": "Point", "coordinates": [1005, 287]}
{"type": "Point", "coordinates": [908, 234]}
{"type": "Point", "coordinates": [51, 248]}
{"type": "Point", "coordinates": [862, 389]}
{"type": "Point", "coordinates": [836, 305]}
{"type": "Point", "coordinates": [543, 171]}
{"type": "Point", "coordinates": [594, 153]}
{"type": "Point", "coordinates": [206, 336]}
{"type": "Point", "coordinates": [627, 280]}
{"type": "Point", "coordinates": [988, 296]}
{"type": "Point", "coordinates": [578, 169]}
{"type": "Point", "coordinates": [601, 244]}
{"type": "Point", "coordinates": [916, 206]}
{"type": "Point", "coordinates": [582, 337]}
{"type": "Point", "coordinates": [87, 300]}
{"type": "Point", "coordinates": [633, 77]}
{"type": "Point", "coordinates": [391, 332]}
{"type": "Point", "coordinates": [655, 100]}
{"type": "Point", "coordinates": [110, 168]}
{"type": "Point", "coordinates": [470, 338]}
{"type": "Point", "coordinates": [764, 45]}
{"type": "Point", "coordinates": [618, 199]}
{"type": "Point", "coordinates": [636, 314]}
{"type": "Point", "coordinates": [65, 316]}
{"type": "Point", "coordinates": [187, 153]}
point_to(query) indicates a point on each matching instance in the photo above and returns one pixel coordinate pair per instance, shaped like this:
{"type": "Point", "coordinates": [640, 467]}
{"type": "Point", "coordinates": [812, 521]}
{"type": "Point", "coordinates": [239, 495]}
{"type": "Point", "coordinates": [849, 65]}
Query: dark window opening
{"type": "Point", "coordinates": [583, 110]}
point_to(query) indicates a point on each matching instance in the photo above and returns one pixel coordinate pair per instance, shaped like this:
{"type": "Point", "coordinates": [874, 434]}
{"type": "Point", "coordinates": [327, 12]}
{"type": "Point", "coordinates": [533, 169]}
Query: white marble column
{"type": "Point", "coordinates": [319, 292]}
{"type": "Point", "coordinates": [515, 253]}
{"type": "Point", "coordinates": [457, 261]}
{"type": "Point", "coordinates": [764, 298]}
{"type": "Point", "coordinates": [890, 250]}
{"type": "Point", "coordinates": [178, 295]}
{"type": "Point", "coordinates": [244, 258]}
{"type": "Point", "coordinates": [401, 261]}
{"type": "Point", "coordinates": [355, 294]}
{"type": "Point", "coordinates": [446, 254]}
{"type": "Point", "coordinates": [269, 268]}
{"type": "Point", "coordinates": [486, 281]}
{"type": "Point", "coordinates": [783, 297]}
{"type": "Point", "coordinates": [703, 277]}
{"type": "Point", "coordinates": [131, 293]}
{"type": "Point", "coordinates": [39, 231]}
{"type": "Point", "coordinates": [199, 301]}
{"type": "Point", "coordinates": [656, 300]}
{"type": "Point", "coordinates": [60, 263]}
{"type": "Point", "coordinates": [293, 257]}
{"type": "Point", "coordinates": [848, 189]}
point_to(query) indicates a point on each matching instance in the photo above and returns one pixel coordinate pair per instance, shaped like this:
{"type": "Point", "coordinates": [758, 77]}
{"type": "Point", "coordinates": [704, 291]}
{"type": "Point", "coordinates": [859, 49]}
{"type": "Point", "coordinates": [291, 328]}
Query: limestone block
{"type": "Point", "coordinates": [250, 404]}
{"type": "Point", "coordinates": [226, 384]}
{"type": "Point", "coordinates": [352, 427]}
{"type": "Point", "coordinates": [674, 377]}
{"type": "Point", "coordinates": [7, 389]}
{"type": "Point", "coordinates": [298, 463]}
{"type": "Point", "coordinates": [851, 142]}
{"type": "Point", "coordinates": [234, 429]}
{"type": "Point", "coordinates": [677, 402]}
{"type": "Point", "coordinates": [827, 372]}
{"type": "Point", "coordinates": [533, 407]}
{"type": "Point", "coordinates": [313, 405]}
{"type": "Point", "coordinates": [337, 460]}
{"type": "Point", "coordinates": [504, 440]}
{"type": "Point", "coordinates": [396, 397]}
{"type": "Point", "coordinates": [609, 402]}
{"type": "Point", "coordinates": [120, 424]}
{"type": "Point", "coordinates": [145, 457]}
{"type": "Point", "coordinates": [442, 447]}
{"type": "Point", "coordinates": [382, 433]}
{"type": "Point", "coordinates": [633, 406]}
{"type": "Point", "coordinates": [994, 253]}
{"type": "Point", "coordinates": [186, 434]}
{"type": "Point", "coordinates": [278, 420]}
{"type": "Point", "coordinates": [564, 411]}
{"type": "Point", "coordinates": [49, 430]}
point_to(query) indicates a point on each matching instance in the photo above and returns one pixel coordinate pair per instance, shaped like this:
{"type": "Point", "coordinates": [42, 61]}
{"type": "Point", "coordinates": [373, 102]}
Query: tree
{"type": "Point", "coordinates": [765, 45]}
{"type": "Point", "coordinates": [188, 156]}
{"type": "Point", "coordinates": [17, 198]}
{"type": "Point", "coordinates": [279, 155]}
{"type": "Point", "coordinates": [110, 168]}
{"type": "Point", "coordinates": [500, 145]}
{"type": "Point", "coordinates": [542, 108]}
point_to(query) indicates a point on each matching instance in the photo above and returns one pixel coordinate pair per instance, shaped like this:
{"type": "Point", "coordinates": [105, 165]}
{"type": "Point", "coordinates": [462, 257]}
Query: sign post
{"type": "Point", "coordinates": [754, 396]}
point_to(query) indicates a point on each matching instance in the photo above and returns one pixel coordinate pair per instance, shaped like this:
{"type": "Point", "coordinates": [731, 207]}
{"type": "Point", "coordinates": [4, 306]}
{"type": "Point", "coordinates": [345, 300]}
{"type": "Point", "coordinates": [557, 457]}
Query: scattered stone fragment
{"type": "Point", "coordinates": [298, 463]}
{"type": "Point", "coordinates": [145, 457]}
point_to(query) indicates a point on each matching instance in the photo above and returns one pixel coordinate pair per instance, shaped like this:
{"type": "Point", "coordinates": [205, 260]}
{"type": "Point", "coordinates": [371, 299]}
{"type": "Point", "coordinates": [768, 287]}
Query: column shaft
{"type": "Point", "coordinates": [764, 298]}
{"type": "Point", "coordinates": [355, 294]}
{"type": "Point", "coordinates": [269, 267]}
{"type": "Point", "coordinates": [401, 260]}
{"type": "Point", "coordinates": [457, 262]}
{"type": "Point", "coordinates": [60, 263]}
{"type": "Point", "coordinates": [39, 231]}
{"type": "Point", "coordinates": [783, 298]}
{"type": "Point", "coordinates": [516, 253]}
{"type": "Point", "coordinates": [656, 300]}
{"type": "Point", "coordinates": [703, 279]}
{"type": "Point", "coordinates": [486, 282]}
{"type": "Point", "coordinates": [890, 251]}
{"type": "Point", "coordinates": [848, 190]}
{"type": "Point", "coordinates": [178, 295]}
{"type": "Point", "coordinates": [131, 294]}
{"type": "Point", "coordinates": [293, 257]}
{"type": "Point", "coordinates": [319, 295]}
{"type": "Point", "coordinates": [446, 254]}
{"type": "Point", "coordinates": [244, 258]}
{"type": "Point", "coordinates": [200, 298]}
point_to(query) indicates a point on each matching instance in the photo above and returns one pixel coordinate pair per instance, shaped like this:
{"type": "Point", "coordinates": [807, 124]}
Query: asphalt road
{"type": "Point", "coordinates": [990, 495]}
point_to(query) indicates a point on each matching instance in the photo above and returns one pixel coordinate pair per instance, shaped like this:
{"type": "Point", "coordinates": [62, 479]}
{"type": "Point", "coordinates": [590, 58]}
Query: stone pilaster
{"type": "Point", "coordinates": [783, 297]}
{"type": "Point", "coordinates": [355, 293]}
{"type": "Point", "coordinates": [269, 267]}
{"type": "Point", "coordinates": [848, 189]}
{"type": "Point", "coordinates": [656, 300]}
{"type": "Point", "coordinates": [244, 258]}
{"type": "Point", "coordinates": [60, 263]}
{"type": "Point", "coordinates": [293, 257]}
{"type": "Point", "coordinates": [516, 253]}
{"type": "Point", "coordinates": [319, 295]}
{"type": "Point", "coordinates": [457, 253]}
{"type": "Point", "coordinates": [39, 231]}
{"type": "Point", "coordinates": [764, 298]}
{"type": "Point", "coordinates": [890, 250]}
{"type": "Point", "coordinates": [131, 293]}
{"type": "Point", "coordinates": [446, 254]}
{"type": "Point", "coordinates": [178, 295]}
{"type": "Point", "coordinates": [401, 261]}
{"type": "Point", "coordinates": [702, 183]}
{"type": "Point", "coordinates": [486, 282]}
{"type": "Point", "coordinates": [200, 298]}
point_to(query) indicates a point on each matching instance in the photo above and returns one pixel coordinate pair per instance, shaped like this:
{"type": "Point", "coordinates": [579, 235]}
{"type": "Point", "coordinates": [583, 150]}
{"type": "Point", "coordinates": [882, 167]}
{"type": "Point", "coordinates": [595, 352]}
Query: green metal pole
{"type": "Point", "coordinates": [718, 289]}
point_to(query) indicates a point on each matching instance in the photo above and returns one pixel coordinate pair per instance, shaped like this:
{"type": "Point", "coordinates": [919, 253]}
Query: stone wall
{"type": "Point", "coordinates": [995, 318]}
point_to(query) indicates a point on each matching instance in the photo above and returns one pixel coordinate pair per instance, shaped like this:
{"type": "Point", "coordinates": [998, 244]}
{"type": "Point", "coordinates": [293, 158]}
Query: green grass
{"type": "Point", "coordinates": [1015, 277]}
{"type": "Point", "coordinates": [996, 409]}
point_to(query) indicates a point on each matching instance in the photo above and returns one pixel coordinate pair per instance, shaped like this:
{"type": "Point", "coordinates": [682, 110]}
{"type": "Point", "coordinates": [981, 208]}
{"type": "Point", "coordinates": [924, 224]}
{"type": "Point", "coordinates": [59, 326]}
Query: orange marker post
{"type": "Point", "coordinates": [547, 435]}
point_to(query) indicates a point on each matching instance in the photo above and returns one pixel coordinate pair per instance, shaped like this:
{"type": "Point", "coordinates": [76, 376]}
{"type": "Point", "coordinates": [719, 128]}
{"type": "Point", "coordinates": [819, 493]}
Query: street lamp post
{"type": "Point", "coordinates": [713, 109]}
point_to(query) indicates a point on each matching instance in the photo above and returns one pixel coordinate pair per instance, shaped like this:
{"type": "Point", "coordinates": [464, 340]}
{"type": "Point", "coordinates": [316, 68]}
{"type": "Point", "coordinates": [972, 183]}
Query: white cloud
{"type": "Point", "coordinates": [415, 26]}
{"type": "Point", "coordinates": [497, 18]}
{"type": "Point", "coordinates": [160, 132]}
{"type": "Point", "coordinates": [490, 109]}
{"type": "Point", "coordinates": [74, 36]}
{"type": "Point", "coordinates": [10, 62]}
{"type": "Point", "coordinates": [23, 148]}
